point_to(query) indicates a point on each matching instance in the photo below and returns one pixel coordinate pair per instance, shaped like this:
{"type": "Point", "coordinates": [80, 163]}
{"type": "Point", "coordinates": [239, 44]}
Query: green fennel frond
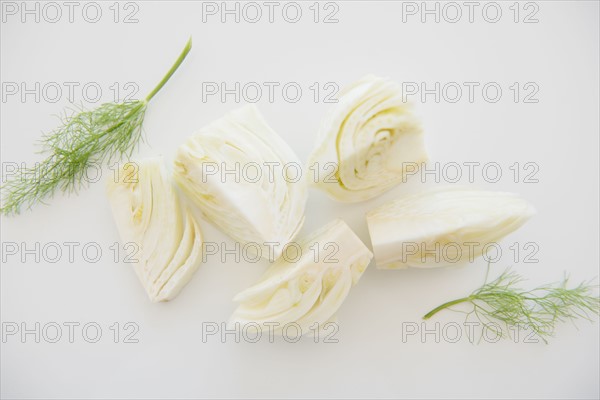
{"type": "Point", "coordinates": [501, 305]}
{"type": "Point", "coordinates": [84, 138]}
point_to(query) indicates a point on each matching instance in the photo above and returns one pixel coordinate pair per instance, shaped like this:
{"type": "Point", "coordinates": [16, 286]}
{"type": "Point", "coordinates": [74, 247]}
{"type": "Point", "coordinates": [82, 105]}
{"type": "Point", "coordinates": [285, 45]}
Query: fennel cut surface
{"type": "Point", "coordinates": [148, 214]}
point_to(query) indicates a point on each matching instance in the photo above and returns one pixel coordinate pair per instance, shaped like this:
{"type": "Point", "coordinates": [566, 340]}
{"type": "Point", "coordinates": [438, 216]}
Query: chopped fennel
{"type": "Point", "coordinates": [309, 286]}
{"type": "Point", "coordinates": [368, 142]}
{"type": "Point", "coordinates": [443, 226]}
{"type": "Point", "coordinates": [266, 211]}
{"type": "Point", "coordinates": [147, 212]}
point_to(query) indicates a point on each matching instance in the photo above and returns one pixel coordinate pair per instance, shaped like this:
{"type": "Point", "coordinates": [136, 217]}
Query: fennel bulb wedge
{"type": "Point", "coordinates": [237, 171]}
{"type": "Point", "coordinates": [443, 226]}
{"type": "Point", "coordinates": [308, 286]}
{"type": "Point", "coordinates": [368, 142]}
{"type": "Point", "coordinates": [147, 212]}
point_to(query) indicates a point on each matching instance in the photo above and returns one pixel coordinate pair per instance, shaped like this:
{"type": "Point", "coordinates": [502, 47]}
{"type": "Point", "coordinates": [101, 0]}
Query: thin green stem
{"type": "Point", "coordinates": [446, 305]}
{"type": "Point", "coordinates": [166, 78]}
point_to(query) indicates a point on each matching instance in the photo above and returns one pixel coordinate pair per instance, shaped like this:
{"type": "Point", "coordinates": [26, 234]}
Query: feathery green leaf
{"type": "Point", "coordinates": [85, 138]}
{"type": "Point", "coordinates": [501, 305]}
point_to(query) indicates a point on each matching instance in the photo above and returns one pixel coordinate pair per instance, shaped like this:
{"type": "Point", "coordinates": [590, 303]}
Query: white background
{"type": "Point", "coordinates": [559, 133]}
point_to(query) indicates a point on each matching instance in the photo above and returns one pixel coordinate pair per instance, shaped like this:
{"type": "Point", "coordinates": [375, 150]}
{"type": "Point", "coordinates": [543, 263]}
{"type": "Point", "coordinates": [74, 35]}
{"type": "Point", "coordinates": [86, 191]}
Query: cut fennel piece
{"type": "Point", "coordinates": [443, 226]}
{"type": "Point", "coordinates": [307, 288]}
{"type": "Point", "coordinates": [369, 142]}
{"type": "Point", "coordinates": [265, 209]}
{"type": "Point", "coordinates": [167, 239]}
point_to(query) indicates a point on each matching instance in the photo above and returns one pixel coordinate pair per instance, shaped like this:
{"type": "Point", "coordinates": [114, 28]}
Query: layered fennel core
{"type": "Point", "coordinates": [371, 137]}
{"type": "Point", "coordinates": [147, 213]}
{"type": "Point", "coordinates": [442, 227]}
{"type": "Point", "coordinates": [259, 205]}
{"type": "Point", "coordinates": [309, 289]}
